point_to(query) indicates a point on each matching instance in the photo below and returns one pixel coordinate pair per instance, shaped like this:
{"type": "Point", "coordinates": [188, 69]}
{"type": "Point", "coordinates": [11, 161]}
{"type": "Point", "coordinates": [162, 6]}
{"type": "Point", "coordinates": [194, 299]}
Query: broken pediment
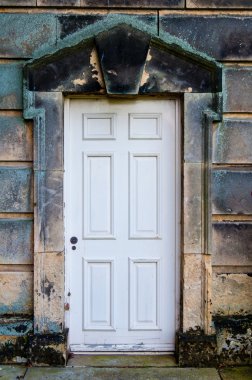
{"type": "Point", "coordinates": [122, 61]}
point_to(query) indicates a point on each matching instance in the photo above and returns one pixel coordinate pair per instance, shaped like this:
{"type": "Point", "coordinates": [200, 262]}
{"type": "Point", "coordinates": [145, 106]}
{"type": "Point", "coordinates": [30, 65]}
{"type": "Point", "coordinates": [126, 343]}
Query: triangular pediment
{"type": "Point", "coordinates": [123, 60]}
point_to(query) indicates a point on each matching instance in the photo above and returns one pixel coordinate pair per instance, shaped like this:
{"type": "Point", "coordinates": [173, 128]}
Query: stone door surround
{"type": "Point", "coordinates": [121, 59]}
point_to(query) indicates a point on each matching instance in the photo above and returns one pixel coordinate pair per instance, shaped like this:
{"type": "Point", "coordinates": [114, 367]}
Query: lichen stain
{"type": "Point", "coordinates": [112, 72]}
{"type": "Point", "coordinates": [35, 40]}
{"type": "Point", "coordinates": [79, 82]}
{"type": "Point", "coordinates": [146, 75]}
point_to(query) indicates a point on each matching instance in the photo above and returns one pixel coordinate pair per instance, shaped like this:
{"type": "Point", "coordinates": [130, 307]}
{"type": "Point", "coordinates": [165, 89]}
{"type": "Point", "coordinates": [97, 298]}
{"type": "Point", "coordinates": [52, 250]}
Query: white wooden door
{"type": "Point", "coordinates": [121, 206]}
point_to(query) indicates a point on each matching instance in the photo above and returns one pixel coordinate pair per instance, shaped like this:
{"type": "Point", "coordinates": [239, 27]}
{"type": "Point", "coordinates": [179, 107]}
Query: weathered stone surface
{"type": "Point", "coordinates": [238, 373]}
{"type": "Point", "coordinates": [58, 3]}
{"type": "Point", "coordinates": [16, 296]}
{"type": "Point", "coordinates": [122, 360]}
{"type": "Point", "coordinates": [231, 192]}
{"type": "Point", "coordinates": [231, 294]}
{"type": "Point", "coordinates": [49, 229]}
{"type": "Point", "coordinates": [16, 189]}
{"type": "Point", "coordinates": [10, 372]}
{"type": "Point", "coordinates": [122, 373]}
{"type": "Point", "coordinates": [157, 4]}
{"type": "Point", "coordinates": [234, 340]}
{"type": "Point", "coordinates": [48, 349]}
{"type": "Point", "coordinates": [18, 3]}
{"type": "Point", "coordinates": [22, 34]}
{"type": "Point", "coordinates": [10, 85]}
{"type": "Point", "coordinates": [168, 72]}
{"type": "Point", "coordinates": [232, 141]}
{"type": "Point", "coordinates": [232, 244]}
{"type": "Point", "coordinates": [16, 326]}
{"type": "Point", "coordinates": [237, 89]}
{"type": "Point", "coordinates": [224, 37]}
{"type": "Point", "coordinates": [49, 292]}
{"type": "Point", "coordinates": [192, 208]}
{"type": "Point", "coordinates": [122, 51]}
{"type": "Point", "coordinates": [15, 139]}
{"type": "Point", "coordinates": [53, 74]}
{"type": "Point", "coordinates": [13, 349]}
{"type": "Point", "coordinates": [194, 106]}
{"type": "Point", "coordinates": [48, 133]}
{"type": "Point", "coordinates": [16, 237]}
{"type": "Point", "coordinates": [69, 24]}
{"type": "Point", "coordinates": [218, 4]}
{"type": "Point", "coordinates": [192, 292]}
{"type": "Point", "coordinates": [195, 349]}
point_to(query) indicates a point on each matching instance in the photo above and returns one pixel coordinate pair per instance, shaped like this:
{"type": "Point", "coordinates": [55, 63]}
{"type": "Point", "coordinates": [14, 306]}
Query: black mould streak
{"type": "Point", "coordinates": [47, 287]}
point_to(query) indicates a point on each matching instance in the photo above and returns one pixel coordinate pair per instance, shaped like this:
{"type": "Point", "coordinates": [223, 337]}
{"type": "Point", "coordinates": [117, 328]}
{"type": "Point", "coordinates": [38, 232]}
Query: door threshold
{"type": "Point", "coordinates": [130, 348]}
{"type": "Point", "coordinates": [122, 360]}
{"type": "Point", "coordinates": [114, 353]}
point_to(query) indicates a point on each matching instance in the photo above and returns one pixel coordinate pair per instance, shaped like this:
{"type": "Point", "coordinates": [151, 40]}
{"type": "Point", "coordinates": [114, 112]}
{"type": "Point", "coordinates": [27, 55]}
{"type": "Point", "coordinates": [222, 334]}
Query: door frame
{"type": "Point", "coordinates": [66, 192]}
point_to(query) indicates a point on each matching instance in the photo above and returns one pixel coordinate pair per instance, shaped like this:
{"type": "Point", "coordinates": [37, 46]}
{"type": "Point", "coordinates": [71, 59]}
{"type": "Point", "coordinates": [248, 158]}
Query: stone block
{"type": "Point", "coordinates": [157, 4]}
{"type": "Point", "coordinates": [48, 349]}
{"type": "Point", "coordinates": [16, 241]}
{"type": "Point", "coordinates": [232, 244]}
{"type": "Point", "coordinates": [18, 3]}
{"type": "Point", "coordinates": [223, 37]}
{"type": "Point", "coordinates": [196, 349]}
{"type": "Point", "coordinates": [13, 349]}
{"type": "Point", "coordinates": [49, 229]}
{"type": "Point", "coordinates": [194, 106]}
{"type": "Point", "coordinates": [237, 89]}
{"type": "Point", "coordinates": [15, 326]}
{"type": "Point", "coordinates": [221, 4]}
{"type": "Point", "coordinates": [231, 192]}
{"type": "Point", "coordinates": [69, 24]}
{"type": "Point", "coordinates": [48, 146]}
{"type": "Point", "coordinates": [192, 209]}
{"type": "Point", "coordinates": [10, 85]}
{"type": "Point", "coordinates": [237, 373]}
{"type": "Point", "coordinates": [122, 68]}
{"type": "Point", "coordinates": [231, 294]}
{"type": "Point", "coordinates": [49, 292]}
{"type": "Point", "coordinates": [16, 296]}
{"type": "Point", "coordinates": [232, 141]}
{"type": "Point", "coordinates": [234, 342]}
{"type": "Point", "coordinates": [16, 190]}
{"type": "Point", "coordinates": [168, 72]}
{"type": "Point", "coordinates": [192, 292]}
{"type": "Point", "coordinates": [122, 373]}
{"type": "Point", "coordinates": [53, 74]}
{"type": "Point", "coordinates": [11, 372]}
{"type": "Point", "coordinates": [15, 139]}
{"type": "Point", "coordinates": [123, 361]}
{"type": "Point", "coordinates": [22, 34]}
{"type": "Point", "coordinates": [58, 3]}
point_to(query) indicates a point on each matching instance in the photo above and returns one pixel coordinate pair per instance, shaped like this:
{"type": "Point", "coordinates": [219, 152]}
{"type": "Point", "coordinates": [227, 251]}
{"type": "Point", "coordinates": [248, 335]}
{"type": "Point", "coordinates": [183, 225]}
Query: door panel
{"type": "Point", "coordinates": [121, 205]}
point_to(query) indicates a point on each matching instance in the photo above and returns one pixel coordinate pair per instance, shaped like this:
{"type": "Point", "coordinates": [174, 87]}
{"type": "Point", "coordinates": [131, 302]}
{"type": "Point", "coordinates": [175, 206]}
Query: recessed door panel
{"type": "Point", "coordinates": [98, 288]}
{"type": "Point", "coordinates": [97, 208]}
{"type": "Point", "coordinates": [144, 196]}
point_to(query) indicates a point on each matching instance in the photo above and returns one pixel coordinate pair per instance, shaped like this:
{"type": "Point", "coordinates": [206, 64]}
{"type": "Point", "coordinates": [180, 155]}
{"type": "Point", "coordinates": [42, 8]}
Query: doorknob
{"type": "Point", "coordinates": [73, 240]}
